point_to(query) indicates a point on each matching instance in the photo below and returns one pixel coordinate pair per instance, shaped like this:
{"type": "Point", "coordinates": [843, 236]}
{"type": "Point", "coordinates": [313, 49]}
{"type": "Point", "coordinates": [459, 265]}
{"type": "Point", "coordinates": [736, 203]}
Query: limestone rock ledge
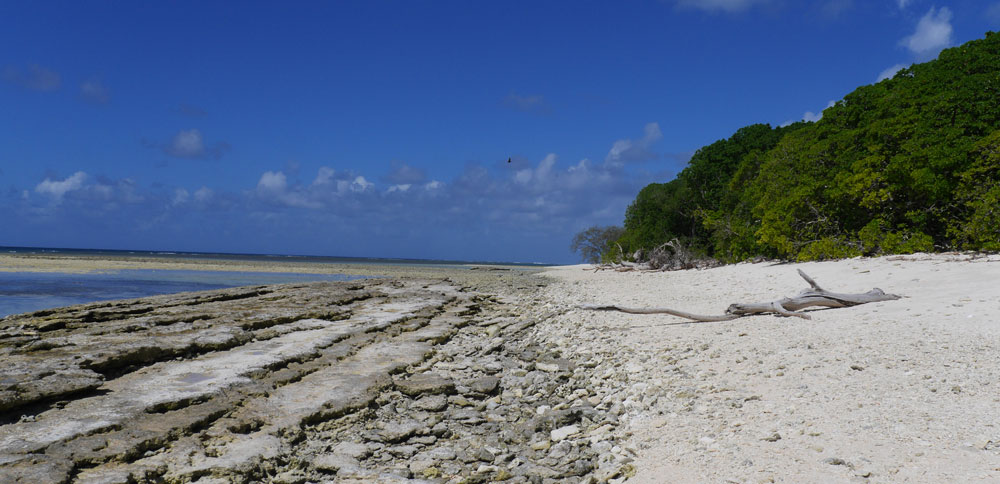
{"type": "Point", "coordinates": [378, 380]}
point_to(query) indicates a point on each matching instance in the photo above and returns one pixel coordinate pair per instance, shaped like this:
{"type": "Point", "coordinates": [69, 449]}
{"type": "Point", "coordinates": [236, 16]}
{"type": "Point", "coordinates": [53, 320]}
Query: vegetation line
{"type": "Point", "coordinates": [909, 164]}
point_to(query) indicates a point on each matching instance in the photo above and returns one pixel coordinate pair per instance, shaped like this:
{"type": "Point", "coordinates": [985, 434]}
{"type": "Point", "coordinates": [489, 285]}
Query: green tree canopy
{"type": "Point", "coordinates": [907, 164]}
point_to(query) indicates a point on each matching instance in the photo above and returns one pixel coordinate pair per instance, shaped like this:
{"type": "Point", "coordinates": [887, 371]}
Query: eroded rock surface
{"type": "Point", "coordinates": [377, 380]}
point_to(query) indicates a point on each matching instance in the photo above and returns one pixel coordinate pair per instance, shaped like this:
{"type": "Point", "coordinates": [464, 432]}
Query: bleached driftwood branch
{"type": "Point", "coordinates": [815, 296]}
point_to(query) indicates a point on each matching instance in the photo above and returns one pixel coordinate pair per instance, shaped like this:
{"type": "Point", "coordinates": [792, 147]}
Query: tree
{"type": "Point", "coordinates": [908, 164]}
{"type": "Point", "coordinates": [656, 216]}
{"type": "Point", "coordinates": [979, 229]}
{"type": "Point", "coordinates": [594, 241]}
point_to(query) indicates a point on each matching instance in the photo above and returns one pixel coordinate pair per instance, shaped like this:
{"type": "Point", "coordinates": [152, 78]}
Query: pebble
{"type": "Point", "coordinates": [484, 455]}
{"type": "Point", "coordinates": [352, 449]}
{"type": "Point", "coordinates": [541, 445]}
{"type": "Point", "coordinates": [334, 462]}
{"type": "Point", "coordinates": [419, 466]}
{"type": "Point", "coordinates": [398, 431]}
{"type": "Point", "coordinates": [429, 383]}
{"type": "Point", "coordinates": [404, 451]}
{"type": "Point", "coordinates": [486, 384]}
{"type": "Point", "coordinates": [440, 453]}
{"type": "Point", "coordinates": [563, 432]}
{"type": "Point", "coordinates": [432, 403]}
{"type": "Point", "coordinates": [289, 477]}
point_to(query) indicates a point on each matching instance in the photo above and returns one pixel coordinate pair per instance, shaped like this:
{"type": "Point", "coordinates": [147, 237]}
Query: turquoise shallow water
{"type": "Point", "coordinates": [22, 292]}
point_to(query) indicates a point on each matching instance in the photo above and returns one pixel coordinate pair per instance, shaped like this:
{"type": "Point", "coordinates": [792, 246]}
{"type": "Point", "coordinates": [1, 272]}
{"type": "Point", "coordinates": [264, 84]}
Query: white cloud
{"type": "Point", "coordinates": [103, 192]}
{"type": "Point", "coordinates": [57, 188]}
{"type": "Point", "coordinates": [360, 184]}
{"type": "Point", "coordinates": [903, 3]}
{"type": "Point", "coordinates": [94, 91]}
{"type": "Point", "coordinates": [400, 174]}
{"type": "Point", "coordinates": [933, 34]}
{"type": "Point", "coordinates": [890, 72]}
{"type": "Point", "coordinates": [407, 187]}
{"type": "Point", "coordinates": [539, 174]}
{"type": "Point", "coordinates": [36, 78]}
{"type": "Point", "coordinates": [545, 166]}
{"type": "Point", "coordinates": [273, 186]}
{"type": "Point", "coordinates": [580, 174]}
{"type": "Point", "coordinates": [625, 150]}
{"type": "Point", "coordinates": [187, 144]}
{"type": "Point", "coordinates": [324, 176]}
{"type": "Point", "coordinates": [190, 144]}
{"type": "Point", "coordinates": [129, 191]}
{"type": "Point", "coordinates": [181, 197]}
{"type": "Point", "coordinates": [203, 194]}
{"type": "Point", "coordinates": [100, 192]}
{"type": "Point", "coordinates": [813, 117]}
{"type": "Point", "coordinates": [730, 6]}
{"type": "Point", "coordinates": [810, 116]}
{"type": "Point", "coordinates": [272, 182]}
{"type": "Point", "coordinates": [582, 166]}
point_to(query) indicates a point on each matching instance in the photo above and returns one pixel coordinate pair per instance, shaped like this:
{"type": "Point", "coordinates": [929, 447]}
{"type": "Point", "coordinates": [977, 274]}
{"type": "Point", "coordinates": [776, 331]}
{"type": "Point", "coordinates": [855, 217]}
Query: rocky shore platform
{"type": "Point", "coordinates": [380, 380]}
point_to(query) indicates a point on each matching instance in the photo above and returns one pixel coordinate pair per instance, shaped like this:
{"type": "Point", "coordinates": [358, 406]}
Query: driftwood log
{"type": "Point", "coordinates": [814, 296]}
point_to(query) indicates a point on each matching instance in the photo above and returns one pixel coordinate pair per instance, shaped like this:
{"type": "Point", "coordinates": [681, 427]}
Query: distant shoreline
{"type": "Point", "coordinates": [79, 263]}
{"type": "Point", "coordinates": [248, 257]}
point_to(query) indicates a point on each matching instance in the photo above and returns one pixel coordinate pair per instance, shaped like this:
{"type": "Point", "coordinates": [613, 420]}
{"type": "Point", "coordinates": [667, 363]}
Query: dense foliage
{"type": "Point", "coordinates": [909, 164]}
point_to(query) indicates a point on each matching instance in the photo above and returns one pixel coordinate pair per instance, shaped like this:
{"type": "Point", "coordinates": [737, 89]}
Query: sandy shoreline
{"type": "Point", "coordinates": [76, 263]}
{"type": "Point", "coordinates": [896, 391]}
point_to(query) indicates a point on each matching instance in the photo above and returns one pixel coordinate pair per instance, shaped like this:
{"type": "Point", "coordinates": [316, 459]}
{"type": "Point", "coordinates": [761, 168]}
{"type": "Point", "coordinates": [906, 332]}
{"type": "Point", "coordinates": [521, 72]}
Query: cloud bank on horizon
{"type": "Point", "coordinates": [519, 205]}
{"type": "Point", "coordinates": [310, 142]}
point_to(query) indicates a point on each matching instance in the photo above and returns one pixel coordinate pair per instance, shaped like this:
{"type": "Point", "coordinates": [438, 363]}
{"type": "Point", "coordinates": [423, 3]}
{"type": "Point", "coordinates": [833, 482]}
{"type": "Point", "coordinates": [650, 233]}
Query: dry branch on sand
{"type": "Point", "coordinates": [815, 296]}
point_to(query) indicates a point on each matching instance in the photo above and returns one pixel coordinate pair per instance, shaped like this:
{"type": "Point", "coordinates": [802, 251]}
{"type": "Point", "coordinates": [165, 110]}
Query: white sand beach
{"type": "Point", "coordinates": [896, 391]}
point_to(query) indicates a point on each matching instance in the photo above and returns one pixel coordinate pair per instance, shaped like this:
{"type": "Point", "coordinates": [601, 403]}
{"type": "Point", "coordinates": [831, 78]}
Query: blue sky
{"type": "Point", "coordinates": [383, 129]}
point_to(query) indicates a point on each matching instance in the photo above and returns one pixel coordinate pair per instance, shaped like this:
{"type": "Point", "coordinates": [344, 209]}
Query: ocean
{"type": "Point", "coordinates": [22, 292]}
{"type": "Point", "coordinates": [168, 255]}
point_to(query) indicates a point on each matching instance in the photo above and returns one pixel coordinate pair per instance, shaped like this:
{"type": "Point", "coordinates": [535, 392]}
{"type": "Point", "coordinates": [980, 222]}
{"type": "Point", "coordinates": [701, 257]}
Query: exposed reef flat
{"type": "Point", "coordinates": [84, 263]}
{"type": "Point", "coordinates": [386, 380]}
